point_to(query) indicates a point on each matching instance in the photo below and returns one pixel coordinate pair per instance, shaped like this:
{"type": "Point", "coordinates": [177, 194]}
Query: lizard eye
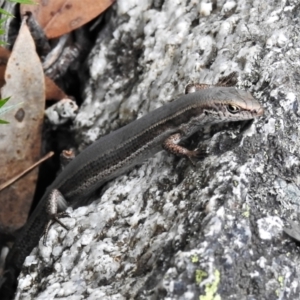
{"type": "Point", "coordinates": [233, 109]}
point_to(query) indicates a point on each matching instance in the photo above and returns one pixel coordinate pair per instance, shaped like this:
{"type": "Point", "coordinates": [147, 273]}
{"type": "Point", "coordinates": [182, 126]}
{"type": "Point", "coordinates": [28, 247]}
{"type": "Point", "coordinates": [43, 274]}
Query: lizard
{"type": "Point", "coordinates": [118, 152]}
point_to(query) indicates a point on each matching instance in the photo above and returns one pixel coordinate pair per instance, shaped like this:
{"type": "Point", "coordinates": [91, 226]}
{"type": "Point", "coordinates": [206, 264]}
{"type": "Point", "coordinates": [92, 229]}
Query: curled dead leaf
{"type": "Point", "coordinates": [20, 142]}
{"type": "Point", "coordinates": [62, 16]}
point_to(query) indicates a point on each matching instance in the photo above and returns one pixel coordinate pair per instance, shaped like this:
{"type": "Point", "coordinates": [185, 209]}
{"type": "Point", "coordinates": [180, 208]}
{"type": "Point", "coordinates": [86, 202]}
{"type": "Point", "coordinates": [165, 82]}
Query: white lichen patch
{"type": "Point", "coordinates": [61, 112]}
{"type": "Point", "coordinates": [269, 227]}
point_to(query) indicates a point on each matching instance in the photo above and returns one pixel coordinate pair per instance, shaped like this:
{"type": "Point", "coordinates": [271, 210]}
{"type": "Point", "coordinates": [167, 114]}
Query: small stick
{"type": "Point", "coordinates": [9, 182]}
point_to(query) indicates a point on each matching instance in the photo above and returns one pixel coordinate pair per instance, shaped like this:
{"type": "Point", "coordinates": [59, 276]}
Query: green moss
{"type": "Point", "coordinates": [211, 289]}
{"type": "Point", "coordinates": [280, 280]}
{"type": "Point", "coordinates": [200, 275]}
{"type": "Point", "coordinates": [246, 213]}
{"type": "Point", "coordinates": [194, 258]}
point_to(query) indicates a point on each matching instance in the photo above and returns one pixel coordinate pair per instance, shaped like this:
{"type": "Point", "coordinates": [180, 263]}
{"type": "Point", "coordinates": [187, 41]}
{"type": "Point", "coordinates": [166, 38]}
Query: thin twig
{"type": "Point", "coordinates": [9, 182]}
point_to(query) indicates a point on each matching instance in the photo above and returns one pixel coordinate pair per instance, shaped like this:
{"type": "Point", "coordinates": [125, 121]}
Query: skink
{"type": "Point", "coordinates": [121, 150]}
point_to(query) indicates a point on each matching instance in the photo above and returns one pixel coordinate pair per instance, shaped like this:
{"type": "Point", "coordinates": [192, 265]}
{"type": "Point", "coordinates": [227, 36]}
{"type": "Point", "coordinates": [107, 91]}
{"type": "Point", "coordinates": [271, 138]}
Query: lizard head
{"type": "Point", "coordinates": [242, 106]}
{"type": "Point", "coordinates": [230, 104]}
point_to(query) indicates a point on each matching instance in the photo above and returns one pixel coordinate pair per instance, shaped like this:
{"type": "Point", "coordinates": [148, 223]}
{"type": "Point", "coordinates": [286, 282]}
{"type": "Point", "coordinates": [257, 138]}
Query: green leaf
{"type": "Point", "coordinates": [8, 108]}
{"type": "Point", "coordinates": [23, 1]}
{"type": "Point", "coordinates": [6, 13]}
{"type": "Point", "coordinates": [3, 19]}
{"type": "Point", "coordinates": [3, 101]}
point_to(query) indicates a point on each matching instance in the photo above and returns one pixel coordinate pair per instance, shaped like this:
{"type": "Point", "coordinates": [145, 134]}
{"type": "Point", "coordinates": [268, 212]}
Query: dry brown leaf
{"type": "Point", "coordinates": [62, 16]}
{"type": "Point", "coordinates": [4, 55]}
{"type": "Point", "coordinates": [53, 92]}
{"type": "Point", "coordinates": [20, 142]}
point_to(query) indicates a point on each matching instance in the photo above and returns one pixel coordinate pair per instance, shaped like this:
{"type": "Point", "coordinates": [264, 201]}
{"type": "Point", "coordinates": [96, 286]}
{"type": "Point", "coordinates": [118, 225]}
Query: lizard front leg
{"type": "Point", "coordinates": [66, 157]}
{"type": "Point", "coordinates": [171, 144]}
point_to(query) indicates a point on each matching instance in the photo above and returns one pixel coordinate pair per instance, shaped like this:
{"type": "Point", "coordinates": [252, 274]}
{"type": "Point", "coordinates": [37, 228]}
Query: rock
{"type": "Point", "coordinates": [167, 230]}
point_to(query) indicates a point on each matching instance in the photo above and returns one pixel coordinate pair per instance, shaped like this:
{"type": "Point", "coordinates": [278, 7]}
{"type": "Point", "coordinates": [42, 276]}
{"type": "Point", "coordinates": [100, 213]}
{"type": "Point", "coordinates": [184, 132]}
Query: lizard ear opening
{"type": "Point", "coordinates": [232, 108]}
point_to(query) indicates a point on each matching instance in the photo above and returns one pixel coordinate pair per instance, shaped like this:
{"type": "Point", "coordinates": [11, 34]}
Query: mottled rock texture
{"type": "Point", "coordinates": [168, 230]}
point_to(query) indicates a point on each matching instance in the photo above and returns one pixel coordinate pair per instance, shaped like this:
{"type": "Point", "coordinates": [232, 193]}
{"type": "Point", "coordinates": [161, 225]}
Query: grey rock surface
{"type": "Point", "coordinates": [168, 230]}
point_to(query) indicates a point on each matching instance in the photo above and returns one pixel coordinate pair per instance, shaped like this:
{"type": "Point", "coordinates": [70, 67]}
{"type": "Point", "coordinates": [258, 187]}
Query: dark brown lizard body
{"type": "Point", "coordinates": [129, 146]}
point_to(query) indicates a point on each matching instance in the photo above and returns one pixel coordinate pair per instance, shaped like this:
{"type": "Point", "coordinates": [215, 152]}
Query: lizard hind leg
{"type": "Point", "coordinates": [195, 87]}
{"type": "Point", "coordinates": [228, 80]}
{"type": "Point", "coordinates": [56, 201]}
